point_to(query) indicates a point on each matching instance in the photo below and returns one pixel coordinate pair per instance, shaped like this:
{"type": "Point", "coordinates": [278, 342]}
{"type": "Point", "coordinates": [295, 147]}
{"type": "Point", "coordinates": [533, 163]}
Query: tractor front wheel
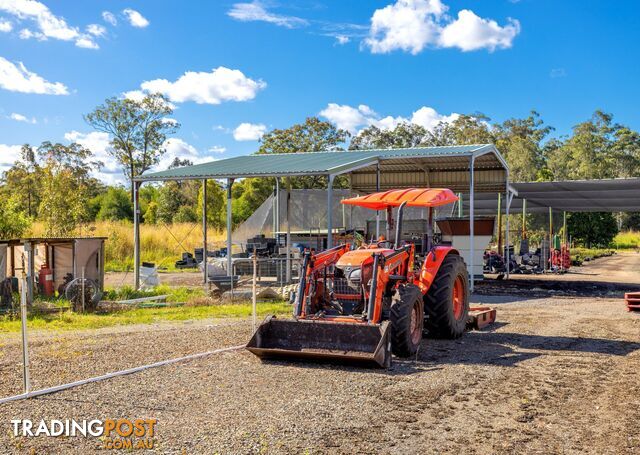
{"type": "Point", "coordinates": [407, 321]}
{"type": "Point", "coordinates": [447, 301]}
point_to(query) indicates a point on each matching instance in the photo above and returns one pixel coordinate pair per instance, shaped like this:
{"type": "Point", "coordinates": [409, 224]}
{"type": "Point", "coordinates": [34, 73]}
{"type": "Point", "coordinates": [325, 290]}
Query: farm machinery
{"type": "Point", "coordinates": [361, 304]}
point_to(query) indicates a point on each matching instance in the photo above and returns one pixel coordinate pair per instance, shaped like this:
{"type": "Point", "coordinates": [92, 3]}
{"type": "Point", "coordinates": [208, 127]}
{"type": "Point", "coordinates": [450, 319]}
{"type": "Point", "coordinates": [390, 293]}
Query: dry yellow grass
{"type": "Point", "coordinates": [160, 244]}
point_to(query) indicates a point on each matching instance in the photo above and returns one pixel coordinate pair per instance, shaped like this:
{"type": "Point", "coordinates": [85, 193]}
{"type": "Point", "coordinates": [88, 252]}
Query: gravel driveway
{"type": "Point", "coordinates": [554, 376]}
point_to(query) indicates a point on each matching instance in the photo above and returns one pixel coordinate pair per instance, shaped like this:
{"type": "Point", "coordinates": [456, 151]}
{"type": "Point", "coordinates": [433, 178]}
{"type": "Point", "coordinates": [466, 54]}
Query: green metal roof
{"type": "Point", "coordinates": [313, 163]}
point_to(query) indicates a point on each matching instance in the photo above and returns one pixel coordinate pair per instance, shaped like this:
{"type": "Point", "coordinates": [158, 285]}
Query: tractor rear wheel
{"type": "Point", "coordinates": [447, 301]}
{"type": "Point", "coordinates": [407, 321]}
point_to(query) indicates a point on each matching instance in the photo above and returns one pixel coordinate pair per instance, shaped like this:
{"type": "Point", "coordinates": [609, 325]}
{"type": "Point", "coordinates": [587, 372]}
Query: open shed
{"type": "Point", "coordinates": [66, 257]}
{"type": "Point", "coordinates": [472, 168]}
{"type": "Point", "coordinates": [597, 195]}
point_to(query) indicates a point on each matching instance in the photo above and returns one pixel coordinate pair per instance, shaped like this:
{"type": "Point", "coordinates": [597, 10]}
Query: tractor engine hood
{"type": "Point", "coordinates": [353, 265]}
{"type": "Point", "coordinates": [355, 258]}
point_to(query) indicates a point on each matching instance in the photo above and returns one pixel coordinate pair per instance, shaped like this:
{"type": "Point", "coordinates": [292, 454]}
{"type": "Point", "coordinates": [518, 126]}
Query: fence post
{"type": "Point", "coordinates": [83, 291]}
{"type": "Point", "coordinates": [25, 341]}
{"type": "Point", "coordinates": [254, 296]}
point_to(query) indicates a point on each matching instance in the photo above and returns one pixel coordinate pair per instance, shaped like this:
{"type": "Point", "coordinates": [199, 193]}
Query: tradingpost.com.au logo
{"type": "Point", "coordinates": [113, 433]}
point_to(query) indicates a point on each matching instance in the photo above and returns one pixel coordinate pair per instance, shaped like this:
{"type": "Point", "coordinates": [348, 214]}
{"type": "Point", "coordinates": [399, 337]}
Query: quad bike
{"type": "Point", "coordinates": [363, 305]}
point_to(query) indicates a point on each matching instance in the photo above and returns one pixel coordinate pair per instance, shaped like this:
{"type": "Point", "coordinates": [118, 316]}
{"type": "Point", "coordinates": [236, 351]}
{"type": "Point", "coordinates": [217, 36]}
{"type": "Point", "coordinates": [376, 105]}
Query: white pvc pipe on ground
{"type": "Point", "coordinates": [70, 385]}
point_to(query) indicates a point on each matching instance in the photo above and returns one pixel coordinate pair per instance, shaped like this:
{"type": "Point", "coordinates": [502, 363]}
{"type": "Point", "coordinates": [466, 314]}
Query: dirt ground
{"type": "Point", "coordinates": [622, 267]}
{"type": "Point", "coordinates": [554, 375]}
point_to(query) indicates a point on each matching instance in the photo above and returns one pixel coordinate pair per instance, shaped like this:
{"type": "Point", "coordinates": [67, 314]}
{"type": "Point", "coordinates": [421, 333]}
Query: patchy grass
{"type": "Point", "coordinates": [579, 254]}
{"type": "Point", "coordinates": [73, 321]}
{"type": "Point", "coordinates": [627, 240]}
{"type": "Point", "coordinates": [181, 294]}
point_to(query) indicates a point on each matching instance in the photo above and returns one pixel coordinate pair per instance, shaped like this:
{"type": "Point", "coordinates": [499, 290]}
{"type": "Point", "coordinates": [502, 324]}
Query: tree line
{"type": "Point", "coordinates": [52, 183]}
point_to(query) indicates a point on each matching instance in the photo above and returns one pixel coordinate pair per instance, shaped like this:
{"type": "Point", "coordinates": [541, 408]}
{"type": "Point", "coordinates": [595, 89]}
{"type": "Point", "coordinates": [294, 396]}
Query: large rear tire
{"type": "Point", "coordinates": [407, 321]}
{"type": "Point", "coordinates": [447, 301]}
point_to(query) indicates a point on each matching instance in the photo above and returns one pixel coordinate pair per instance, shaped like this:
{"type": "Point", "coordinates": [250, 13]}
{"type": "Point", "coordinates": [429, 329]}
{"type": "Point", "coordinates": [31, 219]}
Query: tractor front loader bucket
{"type": "Point", "coordinates": [341, 342]}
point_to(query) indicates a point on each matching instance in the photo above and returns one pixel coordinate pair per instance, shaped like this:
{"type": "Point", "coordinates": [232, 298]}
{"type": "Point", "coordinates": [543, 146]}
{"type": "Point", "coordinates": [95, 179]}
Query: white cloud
{"type": "Point", "coordinates": [557, 72]}
{"type": "Point", "coordinates": [25, 33]}
{"type": "Point", "coordinates": [95, 141]}
{"type": "Point", "coordinates": [342, 39]}
{"type": "Point", "coordinates": [138, 96]}
{"type": "Point", "coordinates": [221, 128]}
{"type": "Point", "coordinates": [217, 149]}
{"type": "Point", "coordinates": [221, 84]}
{"type": "Point", "coordinates": [178, 148]}
{"type": "Point", "coordinates": [48, 24]}
{"type": "Point", "coordinates": [8, 155]}
{"type": "Point", "coordinates": [256, 11]}
{"type": "Point", "coordinates": [170, 121]}
{"type": "Point", "coordinates": [134, 95]}
{"type": "Point", "coordinates": [5, 26]}
{"type": "Point", "coordinates": [470, 32]}
{"type": "Point", "coordinates": [249, 131]}
{"type": "Point", "coordinates": [408, 25]}
{"type": "Point", "coordinates": [19, 79]}
{"type": "Point", "coordinates": [22, 118]}
{"type": "Point", "coordinates": [96, 30]}
{"type": "Point", "coordinates": [354, 119]}
{"type": "Point", "coordinates": [413, 25]}
{"type": "Point", "coordinates": [99, 144]}
{"type": "Point", "coordinates": [109, 18]}
{"type": "Point", "coordinates": [428, 118]}
{"type": "Point", "coordinates": [111, 172]}
{"type": "Point", "coordinates": [347, 117]}
{"type": "Point", "coordinates": [135, 18]}
{"type": "Point", "coordinates": [86, 43]}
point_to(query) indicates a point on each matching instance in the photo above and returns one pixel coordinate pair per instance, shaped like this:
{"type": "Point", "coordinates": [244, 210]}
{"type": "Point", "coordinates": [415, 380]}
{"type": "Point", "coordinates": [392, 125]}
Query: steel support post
{"type": "Point", "coordinates": [472, 220]}
{"type": "Point", "coordinates": [276, 224]}
{"type": "Point", "coordinates": [229, 227]}
{"type": "Point", "coordinates": [330, 212]}
{"type": "Point", "coordinates": [500, 250]}
{"type": "Point", "coordinates": [524, 219]}
{"type": "Point", "coordinates": [507, 236]}
{"type": "Point", "coordinates": [550, 235]}
{"type": "Point", "coordinates": [288, 239]}
{"type": "Point", "coordinates": [136, 235]}
{"type": "Point", "coordinates": [205, 262]}
{"type": "Point", "coordinates": [377, 211]}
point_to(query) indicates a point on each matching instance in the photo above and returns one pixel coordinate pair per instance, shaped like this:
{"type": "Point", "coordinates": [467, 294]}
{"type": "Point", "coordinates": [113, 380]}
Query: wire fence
{"type": "Point", "coordinates": [36, 360]}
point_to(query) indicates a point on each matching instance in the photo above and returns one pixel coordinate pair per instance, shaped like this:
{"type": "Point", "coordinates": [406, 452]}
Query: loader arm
{"type": "Point", "coordinates": [387, 272]}
{"type": "Point", "coordinates": [311, 265]}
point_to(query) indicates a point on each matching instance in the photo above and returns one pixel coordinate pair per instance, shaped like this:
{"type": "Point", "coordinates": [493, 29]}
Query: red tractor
{"type": "Point", "coordinates": [362, 304]}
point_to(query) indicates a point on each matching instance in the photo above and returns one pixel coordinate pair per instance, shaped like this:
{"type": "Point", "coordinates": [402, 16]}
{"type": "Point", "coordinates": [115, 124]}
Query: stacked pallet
{"type": "Point", "coordinates": [632, 300]}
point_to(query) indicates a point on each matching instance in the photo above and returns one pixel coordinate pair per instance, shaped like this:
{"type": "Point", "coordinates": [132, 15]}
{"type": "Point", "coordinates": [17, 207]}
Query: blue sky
{"type": "Point", "coordinates": [235, 69]}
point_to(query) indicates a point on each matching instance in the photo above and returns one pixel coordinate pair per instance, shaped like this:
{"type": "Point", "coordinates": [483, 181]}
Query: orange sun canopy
{"type": "Point", "coordinates": [414, 197]}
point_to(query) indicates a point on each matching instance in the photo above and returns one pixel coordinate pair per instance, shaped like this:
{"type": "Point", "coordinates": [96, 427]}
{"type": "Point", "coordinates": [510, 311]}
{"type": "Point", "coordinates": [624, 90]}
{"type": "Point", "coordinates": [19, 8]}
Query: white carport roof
{"type": "Point", "coordinates": [607, 195]}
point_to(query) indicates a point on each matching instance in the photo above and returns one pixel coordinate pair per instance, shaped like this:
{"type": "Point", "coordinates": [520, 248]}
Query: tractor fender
{"type": "Point", "coordinates": [431, 265]}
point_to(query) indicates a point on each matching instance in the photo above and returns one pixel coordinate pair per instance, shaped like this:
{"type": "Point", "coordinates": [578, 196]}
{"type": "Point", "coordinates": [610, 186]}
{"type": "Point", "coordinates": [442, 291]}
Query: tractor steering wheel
{"type": "Point", "coordinates": [385, 244]}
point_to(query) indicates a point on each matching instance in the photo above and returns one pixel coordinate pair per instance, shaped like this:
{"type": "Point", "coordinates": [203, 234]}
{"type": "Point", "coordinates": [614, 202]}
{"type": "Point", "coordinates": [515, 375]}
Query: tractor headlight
{"type": "Point", "coordinates": [355, 276]}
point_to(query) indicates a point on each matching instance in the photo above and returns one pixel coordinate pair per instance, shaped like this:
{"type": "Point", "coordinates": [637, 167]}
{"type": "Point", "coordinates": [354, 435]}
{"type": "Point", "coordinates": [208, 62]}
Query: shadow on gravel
{"type": "Point", "coordinates": [498, 299]}
{"type": "Point", "coordinates": [504, 349]}
{"type": "Point", "coordinates": [479, 348]}
{"type": "Point", "coordinates": [537, 288]}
